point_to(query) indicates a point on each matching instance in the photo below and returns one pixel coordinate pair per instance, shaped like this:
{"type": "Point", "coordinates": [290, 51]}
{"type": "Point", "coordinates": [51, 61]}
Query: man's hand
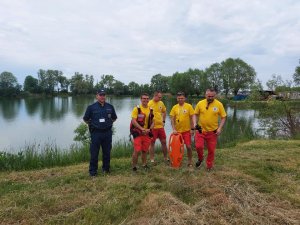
{"type": "Point", "coordinates": [218, 131]}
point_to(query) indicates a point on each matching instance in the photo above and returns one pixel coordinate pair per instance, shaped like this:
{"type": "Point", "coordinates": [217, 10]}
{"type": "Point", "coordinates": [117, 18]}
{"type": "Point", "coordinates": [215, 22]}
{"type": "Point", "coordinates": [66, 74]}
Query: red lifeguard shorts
{"type": "Point", "coordinates": [187, 138]}
{"type": "Point", "coordinates": [141, 143]}
{"type": "Point", "coordinates": [158, 133]}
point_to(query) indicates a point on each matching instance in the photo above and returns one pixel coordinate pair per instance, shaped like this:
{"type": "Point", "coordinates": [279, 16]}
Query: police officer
{"type": "Point", "coordinates": [100, 117]}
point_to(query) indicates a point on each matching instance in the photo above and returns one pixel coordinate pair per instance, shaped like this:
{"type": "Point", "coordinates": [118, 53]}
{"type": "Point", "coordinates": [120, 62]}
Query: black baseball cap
{"type": "Point", "coordinates": [101, 91]}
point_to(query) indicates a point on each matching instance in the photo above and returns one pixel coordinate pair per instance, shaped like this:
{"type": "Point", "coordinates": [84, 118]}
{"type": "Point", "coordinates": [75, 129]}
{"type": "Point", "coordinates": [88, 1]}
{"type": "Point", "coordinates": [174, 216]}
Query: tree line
{"type": "Point", "coordinates": [228, 77]}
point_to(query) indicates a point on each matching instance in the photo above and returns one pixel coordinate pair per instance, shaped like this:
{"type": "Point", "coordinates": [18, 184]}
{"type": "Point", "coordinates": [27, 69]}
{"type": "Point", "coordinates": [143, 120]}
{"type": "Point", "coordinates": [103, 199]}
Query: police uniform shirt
{"type": "Point", "coordinates": [101, 117]}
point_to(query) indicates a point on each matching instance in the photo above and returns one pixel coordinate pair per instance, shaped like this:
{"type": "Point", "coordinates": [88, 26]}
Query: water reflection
{"type": "Point", "coordinates": [9, 108]}
{"type": "Point", "coordinates": [31, 106]}
{"type": "Point", "coordinates": [56, 118]}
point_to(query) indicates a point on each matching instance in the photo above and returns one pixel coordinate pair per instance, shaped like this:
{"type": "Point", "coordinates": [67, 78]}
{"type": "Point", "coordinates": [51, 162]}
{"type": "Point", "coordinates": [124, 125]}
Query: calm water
{"type": "Point", "coordinates": [53, 120]}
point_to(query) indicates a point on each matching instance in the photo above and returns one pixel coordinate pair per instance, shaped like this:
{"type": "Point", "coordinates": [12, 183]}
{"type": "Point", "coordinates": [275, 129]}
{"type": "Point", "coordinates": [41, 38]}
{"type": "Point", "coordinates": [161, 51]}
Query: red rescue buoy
{"type": "Point", "coordinates": [176, 149]}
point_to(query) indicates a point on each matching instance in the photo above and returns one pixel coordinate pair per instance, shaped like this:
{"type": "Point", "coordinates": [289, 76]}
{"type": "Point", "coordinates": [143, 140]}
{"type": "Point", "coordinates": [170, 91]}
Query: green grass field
{"type": "Point", "coordinates": [256, 182]}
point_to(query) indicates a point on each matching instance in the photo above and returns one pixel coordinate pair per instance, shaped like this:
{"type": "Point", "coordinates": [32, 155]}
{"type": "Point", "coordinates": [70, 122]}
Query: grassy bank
{"type": "Point", "coordinates": [257, 182]}
{"type": "Point", "coordinates": [36, 156]}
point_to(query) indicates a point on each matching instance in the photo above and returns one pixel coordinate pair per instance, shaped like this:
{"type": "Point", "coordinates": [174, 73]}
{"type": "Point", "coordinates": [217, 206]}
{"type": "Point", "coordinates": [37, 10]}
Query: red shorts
{"type": "Point", "coordinates": [158, 133]}
{"type": "Point", "coordinates": [141, 143]}
{"type": "Point", "coordinates": [187, 138]}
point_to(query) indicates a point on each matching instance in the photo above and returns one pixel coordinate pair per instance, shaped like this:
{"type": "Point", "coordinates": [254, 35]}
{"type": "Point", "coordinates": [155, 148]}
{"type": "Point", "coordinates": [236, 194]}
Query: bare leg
{"type": "Point", "coordinates": [189, 153]}
{"type": "Point", "coordinates": [135, 155]}
{"type": "Point", "coordinates": [144, 158]}
{"type": "Point", "coordinates": [164, 148]}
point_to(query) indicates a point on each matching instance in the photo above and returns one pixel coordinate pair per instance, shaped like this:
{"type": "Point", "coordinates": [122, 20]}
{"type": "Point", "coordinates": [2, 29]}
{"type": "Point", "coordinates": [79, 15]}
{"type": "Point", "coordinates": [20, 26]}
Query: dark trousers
{"type": "Point", "coordinates": [103, 140]}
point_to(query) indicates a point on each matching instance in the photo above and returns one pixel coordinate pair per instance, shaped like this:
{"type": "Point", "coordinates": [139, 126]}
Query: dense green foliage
{"type": "Point", "coordinates": [228, 77]}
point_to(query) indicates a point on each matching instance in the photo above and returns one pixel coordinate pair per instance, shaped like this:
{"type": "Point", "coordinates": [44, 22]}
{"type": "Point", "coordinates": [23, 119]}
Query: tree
{"type": "Point", "coordinates": [256, 90]}
{"type": "Point", "coordinates": [31, 84]}
{"type": "Point", "coordinates": [236, 75]}
{"type": "Point", "coordinates": [134, 88]}
{"type": "Point", "coordinates": [8, 84]}
{"type": "Point", "coordinates": [118, 88]}
{"type": "Point", "coordinates": [48, 79]}
{"type": "Point", "coordinates": [296, 75]}
{"type": "Point", "coordinates": [80, 84]}
{"type": "Point", "coordinates": [107, 82]}
{"type": "Point", "coordinates": [63, 83]}
{"type": "Point", "coordinates": [274, 82]}
{"type": "Point", "coordinates": [7, 80]}
{"type": "Point", "coordinates": [214, 76]}
{"type": "Point", "coordinates": [180, 82]}
{"type": "Point", "coordinates": [281, 119]}
{"type": "Point", "coordinates": [159, 83]}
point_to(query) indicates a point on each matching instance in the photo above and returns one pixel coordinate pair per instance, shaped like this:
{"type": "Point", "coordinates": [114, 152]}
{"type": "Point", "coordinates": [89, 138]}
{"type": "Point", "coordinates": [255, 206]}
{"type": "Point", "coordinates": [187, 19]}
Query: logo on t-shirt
{"type": "Point", "coordinates": [215, 109]}
{"type": "Point", "coordinates": [184, 111]}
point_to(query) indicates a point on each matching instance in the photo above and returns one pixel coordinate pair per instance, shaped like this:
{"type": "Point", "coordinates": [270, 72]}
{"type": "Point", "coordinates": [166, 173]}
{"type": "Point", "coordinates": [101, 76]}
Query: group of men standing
{"type": "Point", "coordinates": [147, 125]}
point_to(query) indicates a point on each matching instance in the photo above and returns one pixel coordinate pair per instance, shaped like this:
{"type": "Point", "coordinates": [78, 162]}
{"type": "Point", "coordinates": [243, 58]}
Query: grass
{"type": "Point", "coordinates": [36, 156]}
{"type": "Point", "coordinates": [256, 182]}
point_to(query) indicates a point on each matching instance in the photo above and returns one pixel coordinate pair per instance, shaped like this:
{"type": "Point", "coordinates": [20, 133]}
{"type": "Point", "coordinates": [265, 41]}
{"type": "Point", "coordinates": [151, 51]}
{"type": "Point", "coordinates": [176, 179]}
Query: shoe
{"type": "Point", "coordinates": [104, 172]}
{"type": "Point", "coordinates": [93, 176]}
{"type": "Point", "coordinates": [134, 169]}
{"type": "Point", "coordinates": [198, 163]}
{"type": "Point", "coordinates": [152, 161]}
{"type": "Point", "coordinates": [146, 167]}
{"type": "Point", "coordinates": [190, 166]}
{"type": "Point", "coordinates": [209, 169]}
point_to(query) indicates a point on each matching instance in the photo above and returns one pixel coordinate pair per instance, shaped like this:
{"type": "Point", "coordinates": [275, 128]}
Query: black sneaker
{"type": "Point", "coordinates": [198, 163]}
{"type": "Point", "coordinates": [134, 169]}
{"type": "Point", "coordinates": [146, 167]}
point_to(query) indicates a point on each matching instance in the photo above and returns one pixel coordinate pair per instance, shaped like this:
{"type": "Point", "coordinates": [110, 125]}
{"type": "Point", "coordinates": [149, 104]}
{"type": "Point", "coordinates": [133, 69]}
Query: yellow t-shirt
{"type": "Point", "coordinates": [146, 111]}
{"type": "Point", "coordinates": [182, 116]}
{"type": "Point", "coordinates": [158, 109]}
{"type": "Point", "coordinates": [208, 118]}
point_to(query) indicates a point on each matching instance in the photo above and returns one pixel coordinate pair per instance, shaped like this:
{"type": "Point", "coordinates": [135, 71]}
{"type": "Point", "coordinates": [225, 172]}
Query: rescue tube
{"type": "Point", "coordinates": [176, 149]}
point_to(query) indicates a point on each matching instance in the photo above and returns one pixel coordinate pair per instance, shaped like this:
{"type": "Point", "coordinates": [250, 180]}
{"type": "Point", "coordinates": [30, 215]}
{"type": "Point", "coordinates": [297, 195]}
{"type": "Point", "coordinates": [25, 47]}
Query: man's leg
{"type": "Point", "coordinates": [211, 142]}
{"type": "Point", "coordinates": [162, 137]}
{"type": "Point", "coordinates": [146, 142]}
{"type": "Point", "coordinates": [106, 149]}
{"type": "Point", "coordinates": [164, 148]}
{"type": "Point", "coordinates": [187, 138]}
{"type": "Point", "coordinates": [152, 146]}
{"type": "Point", "coordinates": [94, 153]}
{"type": "Point", "coordinates": [137, 148]}
{"type": "Point", "coordinates": [151, 151]}
{"type": "Point", "coordinates": [199, 144]}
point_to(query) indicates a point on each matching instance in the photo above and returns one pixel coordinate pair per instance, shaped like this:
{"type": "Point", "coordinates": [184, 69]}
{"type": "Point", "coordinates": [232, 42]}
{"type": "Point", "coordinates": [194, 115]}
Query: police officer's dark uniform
{"type": "Point", "coordinates": [100, 118]}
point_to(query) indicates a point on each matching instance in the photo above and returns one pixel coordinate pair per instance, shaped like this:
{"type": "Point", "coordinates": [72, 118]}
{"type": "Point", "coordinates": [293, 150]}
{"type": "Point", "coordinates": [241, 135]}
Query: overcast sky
{"type": "Point", "coordinates": [136, 39]}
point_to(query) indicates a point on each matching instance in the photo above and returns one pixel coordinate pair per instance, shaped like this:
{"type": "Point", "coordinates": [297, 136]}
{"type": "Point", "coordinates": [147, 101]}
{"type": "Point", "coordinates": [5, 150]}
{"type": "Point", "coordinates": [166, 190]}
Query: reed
{"type": "Point", "coordinates": [37, 156]}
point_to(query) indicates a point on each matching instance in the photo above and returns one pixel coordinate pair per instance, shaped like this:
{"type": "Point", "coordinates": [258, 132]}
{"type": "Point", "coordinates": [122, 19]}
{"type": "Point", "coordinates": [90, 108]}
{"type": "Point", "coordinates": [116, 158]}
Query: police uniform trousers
{"type": "Point", "coordinates": [99, 139]}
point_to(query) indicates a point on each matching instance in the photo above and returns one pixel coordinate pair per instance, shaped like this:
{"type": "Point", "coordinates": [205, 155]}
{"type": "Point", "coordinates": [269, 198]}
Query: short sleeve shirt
{"type": "Point", "coordinates": [100, 116]}
{"type": "Point", "coordinates": [158, 109]}
{"type": "Point", "coordinates": [182, 115]}
{"type": "Point", "coordinates": [208, 118]}
{"type": "Point", "coordinates": [146, 111]}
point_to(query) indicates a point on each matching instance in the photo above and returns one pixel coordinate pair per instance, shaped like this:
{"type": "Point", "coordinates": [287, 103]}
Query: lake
{"type": "Point", "coordinates": [54, 119]}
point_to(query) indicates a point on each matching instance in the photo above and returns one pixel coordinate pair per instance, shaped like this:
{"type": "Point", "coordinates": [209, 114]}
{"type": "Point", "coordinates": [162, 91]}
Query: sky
{"type": "Point", "coordinates": [134, 40]}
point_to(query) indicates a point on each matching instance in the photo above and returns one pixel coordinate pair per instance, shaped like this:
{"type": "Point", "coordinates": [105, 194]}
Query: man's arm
{"type": "Point", "coordinates": [219, 130]}
{"type": "Point", "coordinates": [173, 124]}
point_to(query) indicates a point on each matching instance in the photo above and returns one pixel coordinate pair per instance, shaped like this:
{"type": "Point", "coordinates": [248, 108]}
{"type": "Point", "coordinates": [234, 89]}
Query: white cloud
{"type": "Point", "coordinates": [134, 40]}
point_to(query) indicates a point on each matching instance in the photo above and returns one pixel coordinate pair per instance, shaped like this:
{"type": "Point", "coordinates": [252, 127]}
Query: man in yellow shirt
{"type": "Point", "coordinates": [159, 110]}
{"type": "Point", "coordinates": [142, 123]}
{"type": "Point", "coordinates": [207, 113]}
{"type": "Point", "coordinates": [182, 122]}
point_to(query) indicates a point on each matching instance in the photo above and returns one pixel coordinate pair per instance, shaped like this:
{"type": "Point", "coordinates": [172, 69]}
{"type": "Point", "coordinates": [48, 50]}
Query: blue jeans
{"type": "Point", "coordinates": [103, 140]}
